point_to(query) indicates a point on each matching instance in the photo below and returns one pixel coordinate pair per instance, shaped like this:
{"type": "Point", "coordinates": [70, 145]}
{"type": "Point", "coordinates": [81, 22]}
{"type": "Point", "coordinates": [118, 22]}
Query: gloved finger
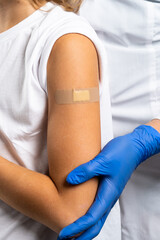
{"type": "Point", "coordinates": [106, 195]}
{"type": "Point", "coordinates": [94, 230]}
{"type": "Point", "coordinates": [88, 170]}
{"type": "Point", "coordinates": [75, 228]}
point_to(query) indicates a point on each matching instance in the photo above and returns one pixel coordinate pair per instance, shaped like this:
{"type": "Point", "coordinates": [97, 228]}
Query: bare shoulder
{"type": "Point", "coordinates": [73, 61]}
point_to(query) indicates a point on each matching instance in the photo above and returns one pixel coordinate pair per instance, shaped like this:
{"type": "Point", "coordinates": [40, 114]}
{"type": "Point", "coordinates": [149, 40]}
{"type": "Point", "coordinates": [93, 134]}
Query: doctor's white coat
{"type": "Point", "coordinates": [130, 32]}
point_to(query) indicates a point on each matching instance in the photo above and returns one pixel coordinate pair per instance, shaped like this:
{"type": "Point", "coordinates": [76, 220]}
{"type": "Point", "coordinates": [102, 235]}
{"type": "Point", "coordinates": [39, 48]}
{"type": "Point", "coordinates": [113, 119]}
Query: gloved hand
{"type": "Point", "coordinates": [115, 165]}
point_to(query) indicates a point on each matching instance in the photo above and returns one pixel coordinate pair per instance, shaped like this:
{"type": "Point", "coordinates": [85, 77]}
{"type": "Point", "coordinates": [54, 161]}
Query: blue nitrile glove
{"type": "Point", "coordinates": [115, 164]}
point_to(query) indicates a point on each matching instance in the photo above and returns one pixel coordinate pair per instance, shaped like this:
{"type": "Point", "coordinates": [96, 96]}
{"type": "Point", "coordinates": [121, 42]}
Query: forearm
{"type": "Point", "coordinates": [34, 195]}
{"type": "Point", "coordinates": [155, 123]}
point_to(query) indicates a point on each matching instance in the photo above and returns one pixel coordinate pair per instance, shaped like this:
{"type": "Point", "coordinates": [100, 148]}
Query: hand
{"type": "Point", "coordinates": [115, 165]}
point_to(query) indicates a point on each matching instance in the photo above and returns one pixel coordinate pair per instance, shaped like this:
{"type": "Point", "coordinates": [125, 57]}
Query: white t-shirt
{"type": "Point", "coordinates": [24, 51]}
{"type": "Point", "coordinates": [130, 32]}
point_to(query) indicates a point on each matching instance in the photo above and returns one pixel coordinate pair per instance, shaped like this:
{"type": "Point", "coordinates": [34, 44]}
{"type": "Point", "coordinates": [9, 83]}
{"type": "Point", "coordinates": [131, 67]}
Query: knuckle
{"type": "Point", "coordinates": [84, 170]}
{"type": "Point", "coordinates": [91, 218]}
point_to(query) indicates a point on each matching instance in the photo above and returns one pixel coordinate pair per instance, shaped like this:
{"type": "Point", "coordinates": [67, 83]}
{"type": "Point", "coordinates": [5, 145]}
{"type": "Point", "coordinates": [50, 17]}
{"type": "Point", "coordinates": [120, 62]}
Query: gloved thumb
{"type": "Point", "coordinates": [86, 171]}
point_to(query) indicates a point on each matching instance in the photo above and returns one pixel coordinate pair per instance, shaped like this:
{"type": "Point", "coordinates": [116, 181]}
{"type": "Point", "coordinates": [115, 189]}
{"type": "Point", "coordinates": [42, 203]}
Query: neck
{"type": "Point", "coordinates": [14, 11]}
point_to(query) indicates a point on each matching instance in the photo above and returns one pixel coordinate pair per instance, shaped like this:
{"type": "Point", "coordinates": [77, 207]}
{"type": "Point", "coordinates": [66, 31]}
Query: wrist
{"type": "Point", "coordinates": [155, 123]}
{"type": "Point", "coordinates": [148, 139]}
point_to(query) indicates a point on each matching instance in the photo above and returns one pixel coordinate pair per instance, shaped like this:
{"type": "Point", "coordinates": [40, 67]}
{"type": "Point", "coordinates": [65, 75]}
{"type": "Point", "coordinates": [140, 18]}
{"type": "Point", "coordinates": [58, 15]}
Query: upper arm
{"type": "Point", "coordinates": [73, 134]}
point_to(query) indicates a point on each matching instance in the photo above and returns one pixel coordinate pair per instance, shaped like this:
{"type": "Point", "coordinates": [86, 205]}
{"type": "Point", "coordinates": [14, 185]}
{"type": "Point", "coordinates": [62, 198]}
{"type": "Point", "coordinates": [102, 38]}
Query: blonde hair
{"type": "Point", "coordinates": [68, 5]}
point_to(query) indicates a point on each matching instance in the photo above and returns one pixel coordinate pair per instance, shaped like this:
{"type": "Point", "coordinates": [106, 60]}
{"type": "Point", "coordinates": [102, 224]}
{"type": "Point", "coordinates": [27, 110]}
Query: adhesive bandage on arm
{"type": "Point", "coordinates": [77, 96]}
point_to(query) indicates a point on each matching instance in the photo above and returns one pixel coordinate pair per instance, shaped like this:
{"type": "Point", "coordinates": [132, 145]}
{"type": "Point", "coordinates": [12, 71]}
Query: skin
{"type": "Point", "coordinates": [73, 134]}
{"type": "Point", "coordinates": [14, 11]}
{"type": "Point", "coordinates": [155, 123]}
{"type": "Point", "coordinates": [48, 199]}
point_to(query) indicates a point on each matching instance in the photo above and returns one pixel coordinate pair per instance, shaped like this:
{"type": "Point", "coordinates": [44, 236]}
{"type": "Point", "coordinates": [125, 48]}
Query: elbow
{"type": "Point", "coordinates": [76, 201]}
{"type": "Point", "coordinates": [65, 217]}
{"type": "Point", "coordinates": [73, 200]}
